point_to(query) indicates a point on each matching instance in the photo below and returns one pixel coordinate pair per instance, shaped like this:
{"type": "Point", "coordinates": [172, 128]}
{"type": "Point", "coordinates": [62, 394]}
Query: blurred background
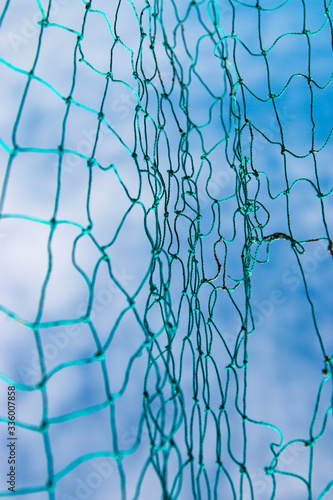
{"type": "Point", "coordinates": [150, 152]}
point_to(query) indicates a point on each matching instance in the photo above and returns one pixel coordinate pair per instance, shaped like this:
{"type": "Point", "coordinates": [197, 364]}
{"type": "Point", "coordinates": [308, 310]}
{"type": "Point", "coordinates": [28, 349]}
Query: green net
{"type": "Point", "coordinates": [208, 153]}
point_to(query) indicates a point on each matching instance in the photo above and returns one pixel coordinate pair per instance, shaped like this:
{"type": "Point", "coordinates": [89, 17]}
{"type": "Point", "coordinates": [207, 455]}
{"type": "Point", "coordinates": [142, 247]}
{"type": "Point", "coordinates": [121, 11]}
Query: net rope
{"type": "Point", "coordinates": [193, 262]}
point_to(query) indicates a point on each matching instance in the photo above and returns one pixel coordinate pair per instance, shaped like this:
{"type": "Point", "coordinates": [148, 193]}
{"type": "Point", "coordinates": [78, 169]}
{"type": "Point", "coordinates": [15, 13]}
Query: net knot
{"type": "Point", "coordinates": [175, 387]}
{"type": "Point", "coordinates": [44, 427]}
{"type": "Point", "coordinates": [249, 207]}
{"type": "Point", "coordinates": [91, 162]}
{"type": "Point", "coordinates": [131, 302]}
{"type": "Point", "coordinates": [41, 385]}
{"type": "Point", "coordinates": [43, 22]}
{"type": "Point", "coordinates": [100, 356]}
{"type": "Point", "coordinates": [87, 230]}
{"type": "Point", "coordinates": [51, 485]}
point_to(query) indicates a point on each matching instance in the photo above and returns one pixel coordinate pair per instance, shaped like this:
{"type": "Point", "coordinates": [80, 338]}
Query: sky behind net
{"type": "Point", "coordinates": [166, 250]}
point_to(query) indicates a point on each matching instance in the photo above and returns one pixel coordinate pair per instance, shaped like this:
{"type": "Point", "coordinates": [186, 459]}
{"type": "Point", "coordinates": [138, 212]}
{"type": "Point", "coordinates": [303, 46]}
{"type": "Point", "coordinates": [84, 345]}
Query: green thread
{"type": "Point", "coordinates": [176, 203]}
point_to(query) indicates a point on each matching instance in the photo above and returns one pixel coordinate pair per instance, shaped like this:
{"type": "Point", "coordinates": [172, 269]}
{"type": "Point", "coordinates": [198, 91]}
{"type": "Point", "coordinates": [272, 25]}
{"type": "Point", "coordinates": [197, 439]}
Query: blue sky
{"type": "Point", "coordinates": [285, 359]}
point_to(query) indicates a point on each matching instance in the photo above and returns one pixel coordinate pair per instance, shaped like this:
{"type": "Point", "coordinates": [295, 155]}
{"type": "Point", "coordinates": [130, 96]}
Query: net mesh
{"type": "Point", "coordinates": [211, 161]}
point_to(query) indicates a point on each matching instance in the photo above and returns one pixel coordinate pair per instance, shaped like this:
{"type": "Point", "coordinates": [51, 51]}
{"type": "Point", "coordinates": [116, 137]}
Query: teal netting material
{"type": "Point", "coordinates": [196, 111]}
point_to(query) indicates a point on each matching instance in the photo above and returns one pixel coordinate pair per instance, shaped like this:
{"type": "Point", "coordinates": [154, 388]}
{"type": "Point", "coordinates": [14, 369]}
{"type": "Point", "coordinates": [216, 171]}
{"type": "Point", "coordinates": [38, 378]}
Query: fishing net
{"type": "Point", "coordinates": [166, 249]}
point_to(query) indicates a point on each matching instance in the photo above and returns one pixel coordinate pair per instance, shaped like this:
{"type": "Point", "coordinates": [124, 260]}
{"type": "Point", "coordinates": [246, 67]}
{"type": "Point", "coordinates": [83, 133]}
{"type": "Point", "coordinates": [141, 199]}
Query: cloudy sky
{"type": "Point", "coordinates": [149, 154]}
